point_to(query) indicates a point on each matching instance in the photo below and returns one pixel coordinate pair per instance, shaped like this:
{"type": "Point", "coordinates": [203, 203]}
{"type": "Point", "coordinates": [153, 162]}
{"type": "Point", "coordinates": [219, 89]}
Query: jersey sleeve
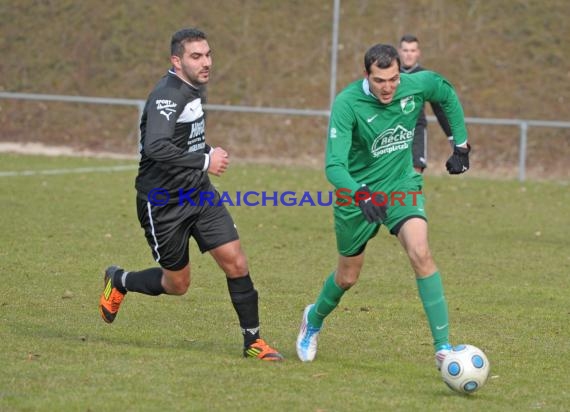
{"type": "Point", "coordinates": [164, 108]}
{"type": "Point", "coordinates": [339, 142]}
{"type": "Point", "coordinates": [441, 119]}
{"type": "Point", "coordinates": [438, 90]}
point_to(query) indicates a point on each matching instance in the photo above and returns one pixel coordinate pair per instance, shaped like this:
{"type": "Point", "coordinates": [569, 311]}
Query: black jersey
{"type": "Point", "coordinates": [437, 110]}
{"type": "Point", "coordinates": [174, 153]}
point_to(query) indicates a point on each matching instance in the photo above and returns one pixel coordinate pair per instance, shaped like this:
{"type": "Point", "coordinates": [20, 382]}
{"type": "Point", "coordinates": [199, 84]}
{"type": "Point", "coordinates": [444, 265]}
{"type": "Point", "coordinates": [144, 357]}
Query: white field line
{"type": "Point", "coordinates": [119, 168]}
{"type": "Point", "coordinates": [46, 150]}
{"type": "Point", "coordinates": [40, 149]}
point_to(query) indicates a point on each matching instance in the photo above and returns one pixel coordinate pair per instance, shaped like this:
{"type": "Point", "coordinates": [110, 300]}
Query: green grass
{"type": "Point", "coordinates": [502, 248]}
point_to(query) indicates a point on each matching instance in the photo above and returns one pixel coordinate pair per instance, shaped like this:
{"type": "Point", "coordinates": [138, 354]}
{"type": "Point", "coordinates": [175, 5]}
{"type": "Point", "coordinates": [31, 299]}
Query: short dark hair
{"type": "Point", "coordinates": [382, 55]}
{"type": "Point", "coordinates": [409, 38]}
{"type": "Point", "coordinates": [184, 36]}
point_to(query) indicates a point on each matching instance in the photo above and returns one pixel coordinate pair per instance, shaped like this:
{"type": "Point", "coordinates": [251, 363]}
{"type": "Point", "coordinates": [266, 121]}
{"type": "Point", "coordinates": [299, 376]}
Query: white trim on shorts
{"type": "Point", "coordinates": [148, 207]}
{"type": "Point", "coordinates": [425, 146]}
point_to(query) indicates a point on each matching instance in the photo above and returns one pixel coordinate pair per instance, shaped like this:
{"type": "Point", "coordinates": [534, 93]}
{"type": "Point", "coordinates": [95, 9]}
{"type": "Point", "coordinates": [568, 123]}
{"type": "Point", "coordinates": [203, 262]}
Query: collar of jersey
{"type": "Point", "coordinates": [366, 89]}
{"type": "Point", "coordinates": [172, 72]}
{"type": "Point", "coordinates": [409, 69]}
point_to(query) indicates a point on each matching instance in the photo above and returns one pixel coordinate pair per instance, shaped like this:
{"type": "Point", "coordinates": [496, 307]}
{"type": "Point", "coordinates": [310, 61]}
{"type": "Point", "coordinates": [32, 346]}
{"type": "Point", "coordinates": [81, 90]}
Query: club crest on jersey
{"type": "Point", "coordinates": [407, 104]}
{"type": "Point", "coordinates": [165, 107]}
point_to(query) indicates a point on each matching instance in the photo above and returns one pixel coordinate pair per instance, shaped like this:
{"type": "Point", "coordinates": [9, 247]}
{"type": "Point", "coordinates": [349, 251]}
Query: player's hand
{"type": "Point", "coordinates": [219, 161]}
{"type": "Point", "coordinates": [372, 205]}
{"type": "Point", "coordinates": [458, 162]}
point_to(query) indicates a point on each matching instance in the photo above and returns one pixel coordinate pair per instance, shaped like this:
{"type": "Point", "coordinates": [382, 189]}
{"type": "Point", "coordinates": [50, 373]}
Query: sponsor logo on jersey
{"type": "Point", "coordinates": [197, 129]}
{"type": "Point", "coordinates": [392, 140]}
{"type": "Point", "coordinates": [407, 104]}
{"type": "Point", "coordinates": [165, 107]}
{"type": "Point", "coordinates": [164, 104]}
{"type": "Point", "coordinates": [191, 112]}
{"type": "Point", "coordinates": [196, 137]}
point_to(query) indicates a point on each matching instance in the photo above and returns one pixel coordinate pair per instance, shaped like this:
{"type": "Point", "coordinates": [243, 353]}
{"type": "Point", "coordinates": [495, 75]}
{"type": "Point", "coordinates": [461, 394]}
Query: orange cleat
{"type": "Point", "coordinates": [261, 350]}
{"type": "Point", "coordinates": [111, 298]}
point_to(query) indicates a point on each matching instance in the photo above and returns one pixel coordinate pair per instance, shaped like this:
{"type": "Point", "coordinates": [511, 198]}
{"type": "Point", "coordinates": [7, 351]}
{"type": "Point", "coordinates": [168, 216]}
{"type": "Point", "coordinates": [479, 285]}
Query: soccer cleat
{"type": "Point", "coordinates": [307, 339]}
{"type": "Point", "coordinates": [441, 353]}
{"type": "Point", "coordinates": [261, 350]}
{"type": "Point", "coordinates": [111, 298]}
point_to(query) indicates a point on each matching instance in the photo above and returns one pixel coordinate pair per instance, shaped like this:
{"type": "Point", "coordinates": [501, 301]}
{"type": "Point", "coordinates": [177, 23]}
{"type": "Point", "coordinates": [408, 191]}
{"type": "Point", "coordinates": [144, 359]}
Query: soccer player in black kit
{"type": "Point", "coordinates": [173, 171]}
{"type": "Point", "coordinates": [409, 52]}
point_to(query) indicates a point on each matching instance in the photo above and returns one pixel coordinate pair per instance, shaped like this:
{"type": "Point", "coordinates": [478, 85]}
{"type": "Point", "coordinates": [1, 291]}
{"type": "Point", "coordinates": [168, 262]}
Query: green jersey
{"type": "Point", "coordinates": [371, 143]}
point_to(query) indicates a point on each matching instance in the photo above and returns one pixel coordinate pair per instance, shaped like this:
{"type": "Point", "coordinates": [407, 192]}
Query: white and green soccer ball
{"type": "Point", "coordinates": [465, 369]}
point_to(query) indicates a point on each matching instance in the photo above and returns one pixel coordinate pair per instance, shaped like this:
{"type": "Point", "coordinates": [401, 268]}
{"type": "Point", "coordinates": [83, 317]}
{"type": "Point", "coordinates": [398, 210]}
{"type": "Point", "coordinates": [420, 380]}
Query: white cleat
{"type": "Point", "coordinates": [441, 354]}
{"type": "Point", "coordinates": [307, 339]}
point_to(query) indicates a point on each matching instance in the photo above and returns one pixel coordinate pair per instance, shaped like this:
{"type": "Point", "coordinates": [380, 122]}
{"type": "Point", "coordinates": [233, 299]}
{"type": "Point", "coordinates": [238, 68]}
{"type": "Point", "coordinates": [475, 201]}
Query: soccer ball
{"type": "Point", "coordinates": [465, 369]}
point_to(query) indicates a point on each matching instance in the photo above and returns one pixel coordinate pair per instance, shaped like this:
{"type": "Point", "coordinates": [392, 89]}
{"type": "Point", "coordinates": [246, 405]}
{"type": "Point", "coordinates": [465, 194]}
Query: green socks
{"type": "Point", "coordinates": [431, 294]}
{"type": "Point", "coordinates": [435, 306]}
{"type": "Point", "coordinates": [326, 302]}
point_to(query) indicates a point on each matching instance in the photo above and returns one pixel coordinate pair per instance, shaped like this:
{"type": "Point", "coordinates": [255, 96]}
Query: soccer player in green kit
{"type": "Point", "coordinates": [369, 162]}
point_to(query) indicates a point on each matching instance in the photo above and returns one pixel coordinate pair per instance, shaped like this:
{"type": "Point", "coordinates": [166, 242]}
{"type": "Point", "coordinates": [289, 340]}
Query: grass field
{"type": "Point", "coordinates": [502, 248]}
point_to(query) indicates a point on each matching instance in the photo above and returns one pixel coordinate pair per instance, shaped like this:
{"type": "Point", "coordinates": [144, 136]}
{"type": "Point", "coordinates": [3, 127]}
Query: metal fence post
{"type": "Point", "coordinates": [522, 151]}
{"type": "Point", "coordinates": [334, 50]}
{"type": "Point", "coordinates": [140, 105]}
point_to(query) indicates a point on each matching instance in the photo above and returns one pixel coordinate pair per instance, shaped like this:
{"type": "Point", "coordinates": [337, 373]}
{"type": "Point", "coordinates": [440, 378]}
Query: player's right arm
{"type": "Point", "coordinates": [163, 109]}
{"type": "Point", "coordinates": [339, 141]}
{"type": "Point", "coordinates": [219, 161]}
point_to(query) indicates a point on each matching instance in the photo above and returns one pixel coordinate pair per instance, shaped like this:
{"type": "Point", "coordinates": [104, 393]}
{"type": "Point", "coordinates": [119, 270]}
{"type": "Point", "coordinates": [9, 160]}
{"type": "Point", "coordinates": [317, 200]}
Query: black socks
{"type": "Point", "coordinates": [244, 298]}
{"type": "Point", "coordinates": [146, 281]}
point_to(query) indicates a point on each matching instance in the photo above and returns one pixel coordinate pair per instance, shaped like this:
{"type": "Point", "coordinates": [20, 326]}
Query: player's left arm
{"type": "Point", "coordinates": [439, 90]}
{"type": "Point", "coordinates": [442, 120]}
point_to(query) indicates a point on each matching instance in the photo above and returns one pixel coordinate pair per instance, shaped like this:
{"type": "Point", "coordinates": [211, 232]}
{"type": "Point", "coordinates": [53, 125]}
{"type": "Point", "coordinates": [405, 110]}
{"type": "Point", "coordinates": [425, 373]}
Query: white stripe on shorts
{"type": "Point", "coordinates": [425, 145]}
{"type": "Point", "coordinates": [148, 207]}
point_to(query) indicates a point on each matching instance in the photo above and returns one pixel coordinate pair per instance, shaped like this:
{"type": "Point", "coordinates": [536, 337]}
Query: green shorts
{"type": "Point", "coordinates": [353, 231]}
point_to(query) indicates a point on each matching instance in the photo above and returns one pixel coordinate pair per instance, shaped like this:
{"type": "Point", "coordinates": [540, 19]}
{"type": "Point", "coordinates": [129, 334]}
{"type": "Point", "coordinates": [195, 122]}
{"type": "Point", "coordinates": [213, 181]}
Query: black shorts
{"type": "Point", "coordinates": [419, 147]}
{"type": "Point", "coordinates": [168, 229]}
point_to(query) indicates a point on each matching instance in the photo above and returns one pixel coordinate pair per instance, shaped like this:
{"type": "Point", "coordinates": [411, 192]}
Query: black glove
{"type": "Point", "coordinates": [458, 162]}
{"type": "Point", "coordinates": [373, 209]}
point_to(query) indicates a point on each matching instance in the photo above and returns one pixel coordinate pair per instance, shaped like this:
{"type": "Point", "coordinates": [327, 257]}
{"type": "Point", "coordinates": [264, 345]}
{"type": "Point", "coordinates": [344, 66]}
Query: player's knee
{"type": "Point", "coordinates": [420, 255]}
{"type": "Point", "coordinates": [179, 286]}
{"type": "Point", "coordinates": [347, 283]}
{"type": "Point", "coordinates": [177, 283]}
{"type": "Point", "coordinates": [241, 263]}
{"type": "Point", "coordinates": [237, 266]}
{"type": "Point", "coordinates": [346, 280]}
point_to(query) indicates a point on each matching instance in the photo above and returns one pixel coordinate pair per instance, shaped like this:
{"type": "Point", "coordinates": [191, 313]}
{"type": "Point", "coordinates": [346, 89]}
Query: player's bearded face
{"type": "Point", "coordinates": [384, 82]}
{"type": "Point", "coordinates": [194, 65]}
